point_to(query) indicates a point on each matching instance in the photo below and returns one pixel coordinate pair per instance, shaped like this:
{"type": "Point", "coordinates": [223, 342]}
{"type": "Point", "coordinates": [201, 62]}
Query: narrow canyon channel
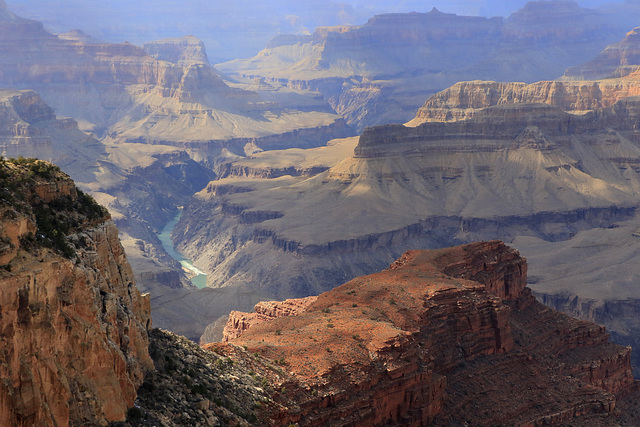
{"type": "Point", "coordinates": [200, 278]}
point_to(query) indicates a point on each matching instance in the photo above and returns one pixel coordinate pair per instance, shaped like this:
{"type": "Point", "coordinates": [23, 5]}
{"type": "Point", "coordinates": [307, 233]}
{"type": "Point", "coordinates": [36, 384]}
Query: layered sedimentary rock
{"type": "Point", "coordinates": [164, 93]}
{"type": "Point", "coordinates": [263, 312]}
{"type": "Point", "coordinates": [184, 50]}
{"type": "Point", "coordinates": [513, 169]}
{"type": "Point", "coordinates": [382, 71]}
{"type": "Point", "coordinates": [616, 60]}
{"type": "Point", "coordinates": [464, 99]}
{"type": "Point", "coordinates": [152, 113]}
{"type": "Point", "coordinates": [74, 325]}
{"type": "Point", "coordinates": [140, 185]}
{"type": "Point", "coordinates": [591, 276]}
{"type": "Point", "coordinates": [441, 337]}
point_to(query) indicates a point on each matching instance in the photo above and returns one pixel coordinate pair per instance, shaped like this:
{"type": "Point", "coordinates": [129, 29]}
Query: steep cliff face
{"type": "Point", "coordinates": [184, 50]}
{"type": "Point", "coordinates": [441, 337]}
{"type": "Point", "coordinates": [74, 326]}
{"type": "Point", "coordinates": [463, 100]}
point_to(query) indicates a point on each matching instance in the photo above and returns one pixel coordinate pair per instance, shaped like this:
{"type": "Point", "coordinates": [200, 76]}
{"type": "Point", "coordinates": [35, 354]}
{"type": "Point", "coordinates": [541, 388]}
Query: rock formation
{"type": "Point", "coordinates": [534, 164]}
{"type": "Point", "coordinates": [74, 326]}
{"type": "Point", "coordinates": [138, 184]}
{"type": "Point", "coordinates": [443, 337]}
{"type": "Point", "coordinates": [464, 99]}
{"type": "Point", "coordinates": [382, 71]}
{"type": "Point", "coordinates": [616, 60]}
{"type": "Point", "coordinates": [264, 311]}
{"type": "Point", "coordinates": [184, 51]}
{"type": "Point", "coordinates": [159, 117]}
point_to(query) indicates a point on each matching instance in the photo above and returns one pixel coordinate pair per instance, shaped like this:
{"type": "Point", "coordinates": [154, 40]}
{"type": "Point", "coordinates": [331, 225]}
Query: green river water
{"type": "Point", "coordinates": [200, 280]}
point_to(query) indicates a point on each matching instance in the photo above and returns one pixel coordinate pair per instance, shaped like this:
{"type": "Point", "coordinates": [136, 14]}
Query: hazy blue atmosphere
{"type": "Point", "coordinates": [232, 29]}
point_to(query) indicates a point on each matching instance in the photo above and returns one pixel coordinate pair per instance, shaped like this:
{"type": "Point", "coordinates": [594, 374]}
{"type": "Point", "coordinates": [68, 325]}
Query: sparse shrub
{"type": "Point", "coordinates": [199, 389]}
{"type": "Point", "coordinates": [134, 413]}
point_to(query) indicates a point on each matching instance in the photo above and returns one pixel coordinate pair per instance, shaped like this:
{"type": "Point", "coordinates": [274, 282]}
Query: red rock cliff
{"type": "Point", "coordinates": [445, 337]}
{"type": "Point", "coordinates": [73, 326]}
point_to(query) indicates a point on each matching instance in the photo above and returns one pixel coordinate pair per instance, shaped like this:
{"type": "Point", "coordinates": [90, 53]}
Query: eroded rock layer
{"type": "Point", "coordinates": [382, 71]}
{"type": "Point", "coordinates": [442, 337]}
{"type": "Point", "coordinates": [463, 100]}
{"type": "Point", "coordinates": [74, 326]}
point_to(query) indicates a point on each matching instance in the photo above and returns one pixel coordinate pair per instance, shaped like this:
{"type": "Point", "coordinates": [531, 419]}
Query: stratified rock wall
{"type": "Point", "coordinates": [73, 324]}
{"type": "Point", "coordinates": [382, 71]}
{"type": "Point", "coordinates": [464, 99]}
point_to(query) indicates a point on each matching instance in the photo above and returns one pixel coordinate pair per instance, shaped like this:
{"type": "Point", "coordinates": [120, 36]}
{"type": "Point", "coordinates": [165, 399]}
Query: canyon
{"type": "Point", "coordinates": [140, 129]}
{"type": "Point", "coordinates": [289, 205]}
{"type": "Point", "coordinates": [513, 169]}
{"type": "Point", "coordinates": [550, 167]}
{"type": "Point", "coordinates": [157, 122]}
{"type": "Point", "coordinates": [382, 71]}
{"type": "Point", "coordinates": [437, 337]}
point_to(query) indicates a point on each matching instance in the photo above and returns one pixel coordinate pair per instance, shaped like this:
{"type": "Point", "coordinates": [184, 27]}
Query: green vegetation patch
{"type": "Point", "coordinates": [55, 220]}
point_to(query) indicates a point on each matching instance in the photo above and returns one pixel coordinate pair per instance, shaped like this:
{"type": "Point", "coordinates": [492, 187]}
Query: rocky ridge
{"type": "Point", "coordinates": [464, 99]}
{"type": "Point", "coordinates": [74, 326]}
{"type": "Point", "coordinates": [428, 341]}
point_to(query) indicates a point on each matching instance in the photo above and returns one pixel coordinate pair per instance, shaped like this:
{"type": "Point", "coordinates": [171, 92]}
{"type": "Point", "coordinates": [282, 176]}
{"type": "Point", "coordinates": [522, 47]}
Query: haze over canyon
{"type": "Point", "coordinates": [381, 211]}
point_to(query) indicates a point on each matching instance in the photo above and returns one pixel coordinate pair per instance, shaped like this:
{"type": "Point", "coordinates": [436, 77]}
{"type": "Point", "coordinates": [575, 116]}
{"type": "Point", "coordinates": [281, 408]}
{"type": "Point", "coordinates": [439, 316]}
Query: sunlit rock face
{"type": "Point", "coordinates": [74, 325]}
{"type": "Point", "coordinates": [441, 337]}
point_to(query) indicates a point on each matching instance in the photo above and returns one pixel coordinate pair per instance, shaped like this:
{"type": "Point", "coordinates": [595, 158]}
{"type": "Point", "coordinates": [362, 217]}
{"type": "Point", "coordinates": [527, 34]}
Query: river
{"type": "Point", "coordinates": [200, 280]}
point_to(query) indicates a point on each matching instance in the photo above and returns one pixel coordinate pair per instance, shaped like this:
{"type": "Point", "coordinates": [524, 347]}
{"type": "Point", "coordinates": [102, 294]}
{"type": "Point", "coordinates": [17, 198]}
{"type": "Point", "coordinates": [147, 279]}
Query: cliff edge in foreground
{"type": "Point", "coordinates": [73, 326]}
{"type": "Point", "coordinates": [442, 337]}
